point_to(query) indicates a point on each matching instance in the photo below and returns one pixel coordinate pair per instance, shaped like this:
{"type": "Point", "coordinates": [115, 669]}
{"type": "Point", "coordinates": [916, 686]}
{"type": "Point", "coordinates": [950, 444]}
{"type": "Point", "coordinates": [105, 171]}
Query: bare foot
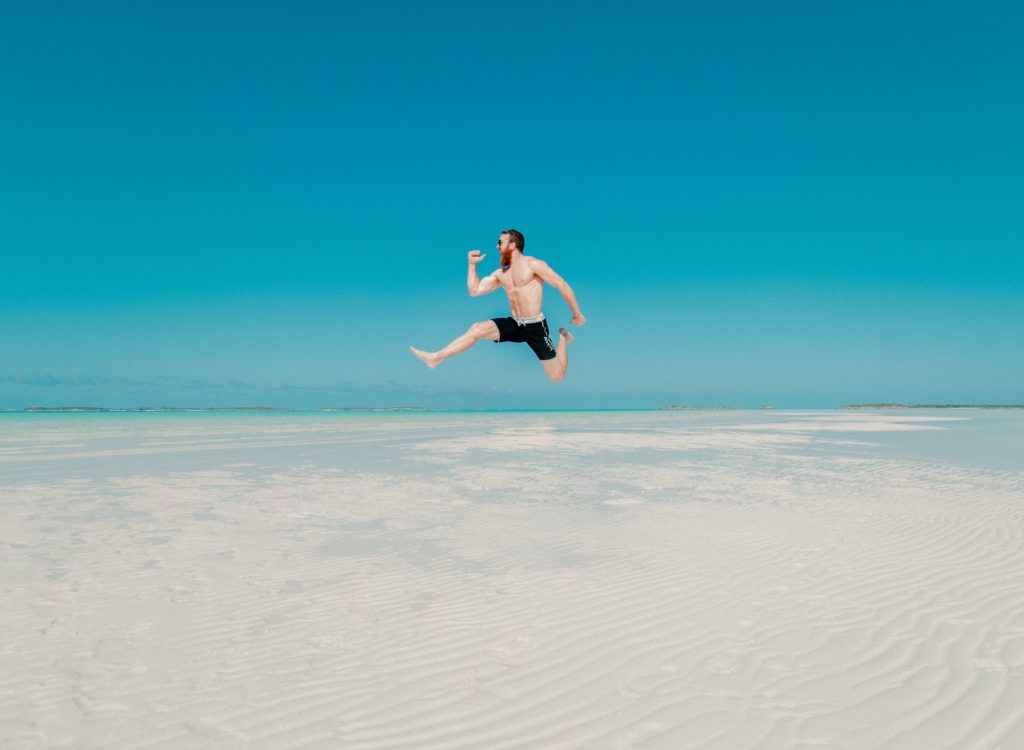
{"type": "Point", "coordinates": [425, 357]}
{"type": "Point", "coordinates": [566, 335]}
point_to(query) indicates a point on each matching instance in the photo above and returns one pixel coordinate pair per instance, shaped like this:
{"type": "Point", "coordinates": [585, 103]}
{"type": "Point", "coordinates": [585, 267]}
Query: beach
{"type": "Point", "coordinates": [661, 579]}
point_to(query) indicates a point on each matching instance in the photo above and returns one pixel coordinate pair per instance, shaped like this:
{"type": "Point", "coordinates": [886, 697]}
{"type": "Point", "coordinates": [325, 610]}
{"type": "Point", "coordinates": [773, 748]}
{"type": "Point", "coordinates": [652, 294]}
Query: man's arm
{"type": "Point", "coordinates": [473, 283]}
{"type": "Point", "coordinates": [547, 273]}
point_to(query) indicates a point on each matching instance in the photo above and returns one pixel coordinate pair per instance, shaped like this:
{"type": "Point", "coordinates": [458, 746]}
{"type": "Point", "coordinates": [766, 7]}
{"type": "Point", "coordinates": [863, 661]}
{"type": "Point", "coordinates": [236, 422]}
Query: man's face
{"type": "Point", "coordinates": [505, 247]}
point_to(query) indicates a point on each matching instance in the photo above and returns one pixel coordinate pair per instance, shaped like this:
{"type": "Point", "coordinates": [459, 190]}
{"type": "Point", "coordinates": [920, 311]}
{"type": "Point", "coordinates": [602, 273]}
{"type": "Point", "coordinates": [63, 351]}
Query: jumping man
{"type": "Point", "coordinates": [522, 277]}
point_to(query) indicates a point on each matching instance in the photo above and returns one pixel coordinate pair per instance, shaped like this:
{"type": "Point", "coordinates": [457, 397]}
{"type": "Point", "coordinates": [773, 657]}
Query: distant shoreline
{"type": "Point", "coordinates": [934, 406]}
{"type": "Point", "coordinates": [240, 409]}
{"type": "Point", "coordinates": [63, 409]}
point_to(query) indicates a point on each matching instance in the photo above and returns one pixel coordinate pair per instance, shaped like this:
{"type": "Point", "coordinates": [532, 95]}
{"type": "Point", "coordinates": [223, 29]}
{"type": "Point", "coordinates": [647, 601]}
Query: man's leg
{"type": "Point", "coordinates": [556, 368]}
{"type": "Point", "coordinates": [485, 329]}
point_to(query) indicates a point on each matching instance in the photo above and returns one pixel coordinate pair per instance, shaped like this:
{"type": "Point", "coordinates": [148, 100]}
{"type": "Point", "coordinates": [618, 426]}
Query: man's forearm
{"type": "Point", "coordinates": [570, 298]}
{"type": "Point", "coordinates": [472, 280]}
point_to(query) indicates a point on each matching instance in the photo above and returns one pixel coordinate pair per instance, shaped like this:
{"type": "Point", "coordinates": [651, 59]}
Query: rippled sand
{"type": "Point", "coordinates": [617, 580]}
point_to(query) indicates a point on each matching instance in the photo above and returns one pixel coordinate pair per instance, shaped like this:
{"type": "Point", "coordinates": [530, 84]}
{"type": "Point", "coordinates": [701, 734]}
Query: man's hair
{"type": "Point", "coordinates": [516, 238]}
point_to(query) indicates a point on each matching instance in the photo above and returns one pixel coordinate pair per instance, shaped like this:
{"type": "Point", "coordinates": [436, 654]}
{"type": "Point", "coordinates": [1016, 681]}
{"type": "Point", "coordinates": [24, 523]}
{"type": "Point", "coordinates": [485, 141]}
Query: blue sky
{"type": "Point", "coordinates": [797, 204]}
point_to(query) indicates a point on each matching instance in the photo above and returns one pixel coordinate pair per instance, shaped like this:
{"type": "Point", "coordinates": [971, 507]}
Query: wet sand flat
{"type": "Point", "coordinates": [732, 580]}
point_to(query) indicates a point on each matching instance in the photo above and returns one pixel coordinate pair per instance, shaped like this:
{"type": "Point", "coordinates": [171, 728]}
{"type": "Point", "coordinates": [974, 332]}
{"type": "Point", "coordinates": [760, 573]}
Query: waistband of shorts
{"type": "Point", "coordinates": [526, 321]}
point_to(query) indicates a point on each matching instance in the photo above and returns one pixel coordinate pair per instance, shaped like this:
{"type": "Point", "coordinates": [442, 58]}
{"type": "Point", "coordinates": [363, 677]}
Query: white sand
{"type": "Point", "coordinates": [665, 580]}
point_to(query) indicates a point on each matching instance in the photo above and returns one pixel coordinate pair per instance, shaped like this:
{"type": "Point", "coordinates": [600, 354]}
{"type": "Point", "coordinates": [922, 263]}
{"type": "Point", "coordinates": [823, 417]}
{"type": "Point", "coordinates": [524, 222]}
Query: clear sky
{"type": "Point", "coordinates": [794, 203]}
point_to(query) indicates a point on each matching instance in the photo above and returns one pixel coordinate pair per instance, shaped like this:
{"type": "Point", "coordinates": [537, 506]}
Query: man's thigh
{"type": "Point", "coordinates": [505, 329]}
{"type": "Point", "coordinates": [553, 368]}
{"type": "Point", "coordinates": [488, 330]}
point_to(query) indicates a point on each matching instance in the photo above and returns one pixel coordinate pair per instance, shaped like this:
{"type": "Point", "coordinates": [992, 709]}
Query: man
{"type": "Point", "coordinates": [522, 277]}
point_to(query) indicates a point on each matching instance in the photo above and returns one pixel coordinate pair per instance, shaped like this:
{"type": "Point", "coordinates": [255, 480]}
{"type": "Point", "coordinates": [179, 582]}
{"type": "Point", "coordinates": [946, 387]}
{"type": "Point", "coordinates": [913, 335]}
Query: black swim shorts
{"type": "Point", "coordinates": [534, 334]}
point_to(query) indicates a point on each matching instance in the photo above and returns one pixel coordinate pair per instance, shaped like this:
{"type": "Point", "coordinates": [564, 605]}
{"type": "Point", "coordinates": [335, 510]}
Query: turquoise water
{"type": "Point", "coordinates": [35, 446]}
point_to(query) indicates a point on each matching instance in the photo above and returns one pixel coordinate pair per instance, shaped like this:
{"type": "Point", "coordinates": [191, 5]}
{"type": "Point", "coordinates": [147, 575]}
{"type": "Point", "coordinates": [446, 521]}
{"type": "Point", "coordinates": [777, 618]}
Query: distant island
{"type": "Point", "coordinates": [699, 408]}
{"type": "Point", "coordinates": [217, 408]}
{"type": "Point", "coordinates": [934, 406]}
{"type": "Point", "coordinates": [381, 408]}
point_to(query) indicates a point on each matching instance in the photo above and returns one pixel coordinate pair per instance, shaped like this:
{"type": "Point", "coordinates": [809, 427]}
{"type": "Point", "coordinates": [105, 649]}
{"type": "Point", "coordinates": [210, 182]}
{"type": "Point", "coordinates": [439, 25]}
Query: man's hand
{"type": "Point", "coordinates": [475, 257]}
{"type": "Point", "coordinates": [578, 319]}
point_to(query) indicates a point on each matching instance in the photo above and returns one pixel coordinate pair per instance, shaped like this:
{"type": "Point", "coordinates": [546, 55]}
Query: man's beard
{"type": "Point", "coordinates": [506, 257]}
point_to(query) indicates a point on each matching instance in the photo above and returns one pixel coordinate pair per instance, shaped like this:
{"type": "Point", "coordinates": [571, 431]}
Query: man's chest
{"type": "Point", "coordinates": [522, 281]}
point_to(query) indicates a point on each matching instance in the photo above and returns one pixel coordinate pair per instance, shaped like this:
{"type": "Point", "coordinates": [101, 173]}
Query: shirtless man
{"type": "Point", "coordinates": [522, 277]}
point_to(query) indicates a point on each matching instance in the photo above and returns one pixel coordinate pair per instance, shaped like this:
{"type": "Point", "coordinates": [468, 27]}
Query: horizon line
{"type": "Point", "coordinates": [84, 409]}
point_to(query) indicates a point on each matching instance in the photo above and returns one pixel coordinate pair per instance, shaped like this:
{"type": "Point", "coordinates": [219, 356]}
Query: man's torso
{"type": "Point", "coordinates": [525, 289]}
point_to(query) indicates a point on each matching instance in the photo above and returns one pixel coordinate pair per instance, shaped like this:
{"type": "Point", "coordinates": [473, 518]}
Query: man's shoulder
{"type": "Point", "coordinates": [534, 261]}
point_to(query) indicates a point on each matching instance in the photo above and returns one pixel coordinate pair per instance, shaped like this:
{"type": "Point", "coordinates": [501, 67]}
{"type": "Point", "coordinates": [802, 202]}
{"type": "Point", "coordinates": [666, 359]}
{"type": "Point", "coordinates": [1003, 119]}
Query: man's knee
{"type": "Point", "coordinates": [557, 377]}
{"type": "Point", "coordinates": [480, 330]}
